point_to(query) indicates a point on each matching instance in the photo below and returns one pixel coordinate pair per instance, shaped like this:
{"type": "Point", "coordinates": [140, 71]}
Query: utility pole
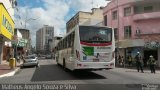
{"type": "Point", "coordinates": [92, 3]}
{"type": "Point", "coordinates": [27, 20]}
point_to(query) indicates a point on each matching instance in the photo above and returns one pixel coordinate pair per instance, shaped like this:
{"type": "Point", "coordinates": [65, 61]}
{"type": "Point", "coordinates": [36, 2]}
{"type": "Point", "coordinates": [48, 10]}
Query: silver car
{"type": "Point", "coordinates": [31, 60]}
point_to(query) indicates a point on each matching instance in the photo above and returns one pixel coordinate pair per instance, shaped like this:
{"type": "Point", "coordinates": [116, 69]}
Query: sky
{"type": "Point", "coordinates": [55, 13]}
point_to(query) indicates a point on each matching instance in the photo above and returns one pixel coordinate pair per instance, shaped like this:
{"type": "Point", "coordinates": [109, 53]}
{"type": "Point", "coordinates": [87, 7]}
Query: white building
{"type": "Point", "coordinates": [86, 18]}
{"type": "Point", "coordinates": [44, 39]}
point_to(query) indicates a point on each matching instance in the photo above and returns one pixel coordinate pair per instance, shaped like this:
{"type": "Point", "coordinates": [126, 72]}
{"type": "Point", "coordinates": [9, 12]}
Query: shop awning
{"type": "Point", "coordinates": [129, 43]}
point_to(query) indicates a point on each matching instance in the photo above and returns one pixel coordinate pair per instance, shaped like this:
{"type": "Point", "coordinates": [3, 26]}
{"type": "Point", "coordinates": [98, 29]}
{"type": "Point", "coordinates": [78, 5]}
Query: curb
{"type": "Point", "coordinates": [10, 73]}
{"type": "Point", "coordinates": [135, 70]}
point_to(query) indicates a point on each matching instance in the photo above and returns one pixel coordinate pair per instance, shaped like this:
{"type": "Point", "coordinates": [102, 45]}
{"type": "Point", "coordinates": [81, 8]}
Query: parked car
{"type": "Point", "coordinates": [30, 60]}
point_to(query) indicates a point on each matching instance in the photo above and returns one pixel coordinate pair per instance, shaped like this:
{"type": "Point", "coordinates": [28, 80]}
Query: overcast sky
{"type": "Point", "coordinates": [50, 12]}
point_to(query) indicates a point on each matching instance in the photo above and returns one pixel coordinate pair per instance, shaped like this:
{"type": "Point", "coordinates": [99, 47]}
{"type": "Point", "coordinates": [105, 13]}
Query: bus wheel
{"type": "Point", "coordinates": [64, 64]}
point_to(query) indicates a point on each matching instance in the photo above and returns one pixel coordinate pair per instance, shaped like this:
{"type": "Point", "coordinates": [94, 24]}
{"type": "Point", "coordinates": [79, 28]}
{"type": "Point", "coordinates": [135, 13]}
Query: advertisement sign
{"type": "Point", "coordinates": [22, 43]}
{"type": "Point", "coordinates": [151, 45]}
{"type": "Point", "coordinates": [6, 23]}
{"type": "Point", "coordinates": [96, 54]}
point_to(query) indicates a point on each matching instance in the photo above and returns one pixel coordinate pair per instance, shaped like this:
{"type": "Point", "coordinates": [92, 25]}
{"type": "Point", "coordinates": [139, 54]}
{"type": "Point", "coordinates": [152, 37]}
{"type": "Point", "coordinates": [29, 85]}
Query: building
{"type": "Point", "coordinates": [44, 39]}
{"type": "Point", "coordinates": [136, 25]}
{"type": "Point", "coordinates": [9, 5]}
{"type": "Point", "coordinates": [33, 49]}
{"type": "Point", "coordinates": [6, 28]}
{"type": "Point", "coordinates": [24, 44]}
{"type": "Point", "coordinates": [86, 18]}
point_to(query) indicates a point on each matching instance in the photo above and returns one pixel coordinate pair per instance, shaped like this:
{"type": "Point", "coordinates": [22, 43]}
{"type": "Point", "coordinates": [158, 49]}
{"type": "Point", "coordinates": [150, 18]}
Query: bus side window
{"type": "Point", "coordinates": [59, 48]}
{"type": "Point", "coordinates": [66, 44]}
{"type": "Point", "coordinates": [63, 44]}
{"type": "Point", "coordinates": [69, 41]}
{"type": "Point", "coordinates": [73, 36]}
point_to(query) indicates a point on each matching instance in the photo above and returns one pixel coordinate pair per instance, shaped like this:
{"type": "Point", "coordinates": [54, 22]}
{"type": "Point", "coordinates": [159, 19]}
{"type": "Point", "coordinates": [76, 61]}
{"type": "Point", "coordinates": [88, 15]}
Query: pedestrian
{"type": "Point", "coordinates": [119, 59]}
{"type": "Point", "coordinates": [138, 62]}
{"type": "Point", "coordinates": [122, 61]}
{"type": "Point", "coordinates": [18, 58]}
{"type": "Point", "coordinates": [22, 57]}
{"type": "Point", "coordinates": [129, 60]}
{"type": "Point", "coordinates": [152, 63]}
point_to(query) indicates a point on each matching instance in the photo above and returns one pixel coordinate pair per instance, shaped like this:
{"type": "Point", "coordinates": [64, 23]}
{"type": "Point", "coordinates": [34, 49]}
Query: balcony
{"type": "Point", "coordinates": [145, 16]}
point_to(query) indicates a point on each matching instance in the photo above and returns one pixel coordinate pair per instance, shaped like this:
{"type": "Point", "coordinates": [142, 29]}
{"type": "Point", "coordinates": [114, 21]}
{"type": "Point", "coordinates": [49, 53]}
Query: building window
{"type": "Point", "coordinates": [116, 33]}
{"type": "Point", "coordinates": [105, 20]}
{"type": "Point", "coordinates": [127, 32]}
{"type": "Point", "coordinates": [148, 9]}
{"type": "Point", "coordinates": [127, 11]}
{"type": "Point", "coordinates": [114, 15]}
{"type": "Point", "coordinates": [136, 10]}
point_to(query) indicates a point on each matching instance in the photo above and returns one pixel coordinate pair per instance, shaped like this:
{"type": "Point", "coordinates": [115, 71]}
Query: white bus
{"type": "Point", "coordinates": [87, 48]}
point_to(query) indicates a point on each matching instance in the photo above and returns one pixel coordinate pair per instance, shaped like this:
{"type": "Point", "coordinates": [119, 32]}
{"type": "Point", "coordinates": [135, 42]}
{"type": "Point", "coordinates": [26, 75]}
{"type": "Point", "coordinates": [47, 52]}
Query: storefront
{"type": "Point", "coordinates": [149, 48]}
{"type": "Point", "coordinates": [130, 47]}
{"type": "Point", "coordinates": [6, 28]}
{"type": "Point", "coordinates": [152, 48]}
{"type": "Point", "coordinates": [7, 50]}
{"type": "Point", "coordinates": [20, 47]}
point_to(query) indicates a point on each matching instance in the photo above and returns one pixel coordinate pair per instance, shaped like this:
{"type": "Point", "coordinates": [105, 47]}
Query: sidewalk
{"type": "Point", "coordinates": [134, 69]}
{"type": "Point", "coordinates": [5, 70]}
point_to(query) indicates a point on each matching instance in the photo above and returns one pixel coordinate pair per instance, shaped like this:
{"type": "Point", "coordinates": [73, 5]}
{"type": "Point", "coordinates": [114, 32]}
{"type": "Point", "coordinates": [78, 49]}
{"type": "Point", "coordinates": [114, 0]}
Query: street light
{"type": "Point", "coordinates": [27, 20]}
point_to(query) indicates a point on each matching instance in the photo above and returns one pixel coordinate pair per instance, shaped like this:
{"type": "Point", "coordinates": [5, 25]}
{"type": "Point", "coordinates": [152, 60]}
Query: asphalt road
{"type": "Point", "coordinates": [50, 74]}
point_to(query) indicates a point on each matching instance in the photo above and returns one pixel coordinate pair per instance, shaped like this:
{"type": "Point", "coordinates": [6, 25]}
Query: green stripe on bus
{"type": "Point", "coordinates": [89, 51]}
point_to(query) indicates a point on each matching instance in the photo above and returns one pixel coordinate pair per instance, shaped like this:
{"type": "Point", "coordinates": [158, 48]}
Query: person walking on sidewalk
{"type": "Point", "coordinates": [119, 60]}
{"type": "Point", "coordinates": [22, 57]}
{"type": "Point", "coordinates": [152, 63]}
{"type": "Point", "coordinates": [18, 58]}
{"type": "Point", "coordinates": [130, 60]}
{"type": "Point", "coordinates": [122, 61]}
{"type": "Point", "coordinates": [138, 62]}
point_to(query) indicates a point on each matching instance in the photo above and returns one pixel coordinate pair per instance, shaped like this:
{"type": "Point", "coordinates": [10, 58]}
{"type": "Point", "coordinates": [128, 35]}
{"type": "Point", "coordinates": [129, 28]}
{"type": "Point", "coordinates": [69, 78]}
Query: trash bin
{"type": "Point", "coordinates": [12, 63]}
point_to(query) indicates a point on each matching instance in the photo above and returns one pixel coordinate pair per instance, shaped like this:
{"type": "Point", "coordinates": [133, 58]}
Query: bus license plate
{"type": "Point", "coordinates": [95, 60]}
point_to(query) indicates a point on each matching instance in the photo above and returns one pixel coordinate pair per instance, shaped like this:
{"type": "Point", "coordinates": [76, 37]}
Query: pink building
{"type": "Point", "coordinates": [137, 26]}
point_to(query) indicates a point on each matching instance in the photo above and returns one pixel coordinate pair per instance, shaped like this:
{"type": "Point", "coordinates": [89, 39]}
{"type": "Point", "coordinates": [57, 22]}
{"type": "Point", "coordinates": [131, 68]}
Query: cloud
{"type": "Point", "coordinates": [86, 5]}
{"type": "Point", "coordinates": [53, 13]}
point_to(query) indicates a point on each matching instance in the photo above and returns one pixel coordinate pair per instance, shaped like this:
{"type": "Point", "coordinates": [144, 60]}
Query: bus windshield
{"type": "Point", "coordinates": [95, 34]}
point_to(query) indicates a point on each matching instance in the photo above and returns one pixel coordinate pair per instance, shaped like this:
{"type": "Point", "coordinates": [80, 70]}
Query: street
{"type": "Point", "coordinates": [50, 73]}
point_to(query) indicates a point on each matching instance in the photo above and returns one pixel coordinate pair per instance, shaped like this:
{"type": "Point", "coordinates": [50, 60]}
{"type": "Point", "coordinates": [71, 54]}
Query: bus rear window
{"type": "Point", "coordinates": [95, 34]}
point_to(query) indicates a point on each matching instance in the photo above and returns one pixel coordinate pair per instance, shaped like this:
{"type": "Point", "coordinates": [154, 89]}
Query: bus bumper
{"type": "Point", "coordinates": [95, 65]}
